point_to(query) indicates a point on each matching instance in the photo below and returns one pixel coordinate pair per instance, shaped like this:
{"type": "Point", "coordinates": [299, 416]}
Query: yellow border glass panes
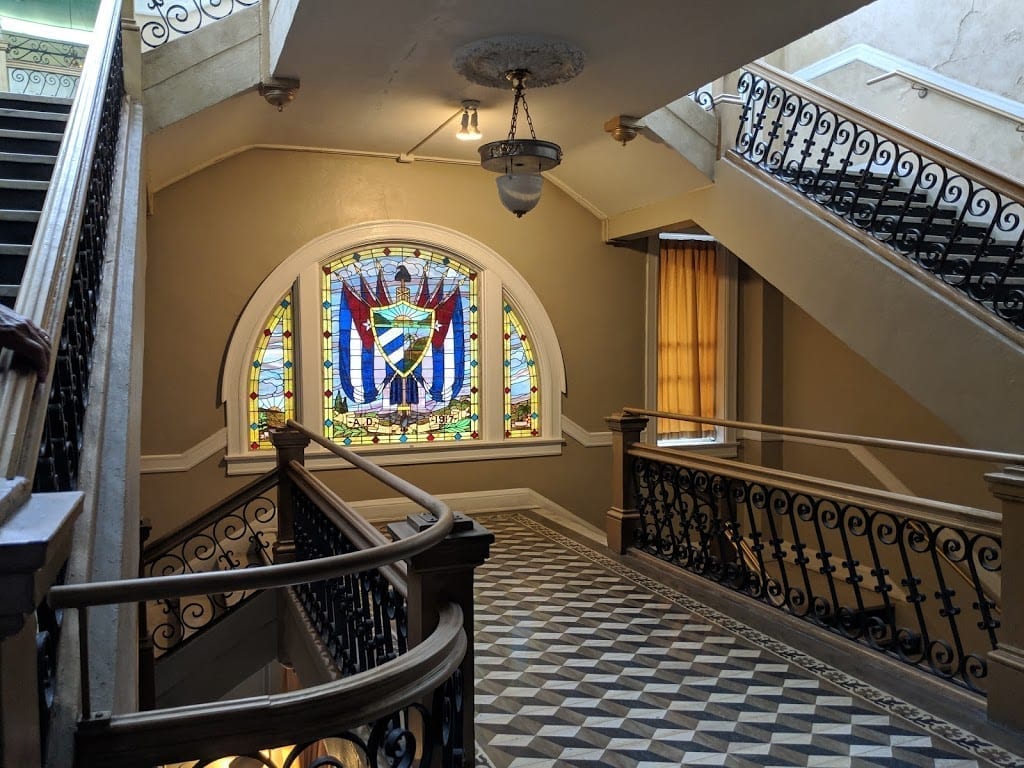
{"type": "Point", "coordinates": [400, 347]}
{"type": "Point", "coordinates": [522, 388]}
{"type": "Point", "coordinates": [272, 376]}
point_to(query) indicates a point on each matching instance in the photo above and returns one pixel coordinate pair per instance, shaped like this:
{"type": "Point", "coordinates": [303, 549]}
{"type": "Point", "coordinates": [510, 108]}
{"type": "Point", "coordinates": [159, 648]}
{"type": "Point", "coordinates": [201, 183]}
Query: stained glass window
{"type": "Point", "coordinates": [522, 389]}
{"type": "Point", "coordinates": [272, 376]}
{"type": "Point", "coordinates": [400, 347]}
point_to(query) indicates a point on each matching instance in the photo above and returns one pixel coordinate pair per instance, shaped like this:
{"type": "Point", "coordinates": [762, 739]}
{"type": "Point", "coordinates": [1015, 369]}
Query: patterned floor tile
{"type": "Point", "coordinates": [583, 662]}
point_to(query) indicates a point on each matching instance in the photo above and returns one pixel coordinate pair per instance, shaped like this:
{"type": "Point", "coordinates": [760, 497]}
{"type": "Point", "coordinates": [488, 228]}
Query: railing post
{"type": "Point", "coordinates": [444, 574]}
{"type": "Point", "coordinates": [621, 518]}
{"type": "Point", "coordinates": [291, 446]}
{"type": "Point", "coordinates": [1006, 663]}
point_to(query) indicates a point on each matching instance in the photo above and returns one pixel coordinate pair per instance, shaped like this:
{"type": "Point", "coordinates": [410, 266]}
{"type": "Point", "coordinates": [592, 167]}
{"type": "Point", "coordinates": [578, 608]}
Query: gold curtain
{"type": "Point", "coordinates": [687, 335]}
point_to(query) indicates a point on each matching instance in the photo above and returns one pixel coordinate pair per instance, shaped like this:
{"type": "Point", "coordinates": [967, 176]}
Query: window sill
{"type": "Point", "coordinates": [317, 458]}
{"type": "Point", "coordinates": [718, 449]}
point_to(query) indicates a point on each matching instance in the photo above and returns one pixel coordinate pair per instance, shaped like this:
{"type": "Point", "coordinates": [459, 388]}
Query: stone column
{"type": "Point", "coordinates": [444, 574]}
{"type": "Point", "coordinates": [621, 518]}
{"type": "Point", "coordinates": [1006, 663]}
{"type": "Point", "coordinates": [291, 446]}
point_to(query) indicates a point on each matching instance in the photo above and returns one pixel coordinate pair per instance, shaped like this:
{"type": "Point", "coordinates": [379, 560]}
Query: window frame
{"type": "Point", "coordinates": [301, 272]}
{"type": "Point", "coordinates": [724, 443]}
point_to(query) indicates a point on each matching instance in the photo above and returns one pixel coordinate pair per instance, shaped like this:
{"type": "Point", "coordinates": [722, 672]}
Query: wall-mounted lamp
{"type": "Point", "coordinates": [470, 129]}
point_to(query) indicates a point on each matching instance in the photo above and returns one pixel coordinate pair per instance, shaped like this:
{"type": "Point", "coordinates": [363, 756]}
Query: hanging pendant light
{"type": "Point", "coordinates": [520, 161]}
{"type": "Point", "coordinates": [497, 62]}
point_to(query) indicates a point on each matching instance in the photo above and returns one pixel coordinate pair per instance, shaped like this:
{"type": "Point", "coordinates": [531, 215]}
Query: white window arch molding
{"type": "Point", "coordinates": [301, 272]}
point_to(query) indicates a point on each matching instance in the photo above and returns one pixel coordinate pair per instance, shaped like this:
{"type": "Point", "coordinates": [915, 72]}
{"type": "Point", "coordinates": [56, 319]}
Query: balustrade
{"type": "Point", "coordinates": [962, 224]}
{"type": "Point", "coordinates": [913, 579]}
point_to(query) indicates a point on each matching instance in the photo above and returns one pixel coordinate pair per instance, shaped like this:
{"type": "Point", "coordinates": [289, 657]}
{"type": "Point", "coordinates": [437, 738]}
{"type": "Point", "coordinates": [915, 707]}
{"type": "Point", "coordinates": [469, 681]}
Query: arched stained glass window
{"type": "Point", "coordinates": [522, 387]}
{"type": "Point", "coordinates": [272, 376]}
{"type": "Point", "coordinates": [400, 347]}
{"type": "Point", "coordinates": [408, 341]}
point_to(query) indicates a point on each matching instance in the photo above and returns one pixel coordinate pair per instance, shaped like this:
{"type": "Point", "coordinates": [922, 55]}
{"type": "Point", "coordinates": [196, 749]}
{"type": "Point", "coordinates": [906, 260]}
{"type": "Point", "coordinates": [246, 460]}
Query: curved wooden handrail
{"type": "Point", "coordinates": [353, 525]}
{"type": "Point", "coordinates": [205, 519]}
{"type": "Point", "coordinates": [283, 575]}
{"type": "Point", "coordinates": [246, 725]}
{"type": "Point", "coordinates": [51, 261]}
{"type": "Point", "coordinates": [951, 451]}
{"type": "Point", "coordinates": [912, 507]}
{"type": "Point", "coordinates": [933, 150]}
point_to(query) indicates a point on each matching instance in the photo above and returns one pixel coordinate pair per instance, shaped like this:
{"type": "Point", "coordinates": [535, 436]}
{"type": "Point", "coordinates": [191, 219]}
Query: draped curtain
{"type": "Point", "coordinates": [687, 335]}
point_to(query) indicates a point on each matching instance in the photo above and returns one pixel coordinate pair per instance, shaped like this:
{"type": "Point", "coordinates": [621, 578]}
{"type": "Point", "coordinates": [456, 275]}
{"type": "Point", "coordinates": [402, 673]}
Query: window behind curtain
{"type": "Point", "coordinates": [687, 336]}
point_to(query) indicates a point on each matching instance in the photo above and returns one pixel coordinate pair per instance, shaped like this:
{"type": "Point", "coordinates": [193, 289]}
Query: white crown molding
{"type": "Point", "coordinates": [191, 458]}
{"type": "Point", "coordinates": [583, 436]}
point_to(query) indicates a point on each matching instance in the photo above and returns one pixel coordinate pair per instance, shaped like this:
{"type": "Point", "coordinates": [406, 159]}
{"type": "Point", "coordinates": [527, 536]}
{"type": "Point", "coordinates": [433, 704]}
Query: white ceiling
{"type": "Point", "coordinates": [377, 77]}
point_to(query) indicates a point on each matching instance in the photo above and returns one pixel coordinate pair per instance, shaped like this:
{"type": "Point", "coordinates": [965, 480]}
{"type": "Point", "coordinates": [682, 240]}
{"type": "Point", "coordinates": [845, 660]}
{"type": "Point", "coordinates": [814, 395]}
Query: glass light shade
{"type": "Point", "coordinates": [520, 192]}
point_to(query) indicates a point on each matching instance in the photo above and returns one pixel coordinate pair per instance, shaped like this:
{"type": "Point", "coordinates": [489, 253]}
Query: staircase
{"type": "Point", "coordinates": [972, 257]}
{"type": "Point", "coordinates": [31, 130]}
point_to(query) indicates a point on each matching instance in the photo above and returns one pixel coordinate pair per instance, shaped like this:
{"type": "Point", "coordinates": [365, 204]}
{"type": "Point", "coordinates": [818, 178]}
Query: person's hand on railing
{"type": "Point", "coordinates": [29, 343]}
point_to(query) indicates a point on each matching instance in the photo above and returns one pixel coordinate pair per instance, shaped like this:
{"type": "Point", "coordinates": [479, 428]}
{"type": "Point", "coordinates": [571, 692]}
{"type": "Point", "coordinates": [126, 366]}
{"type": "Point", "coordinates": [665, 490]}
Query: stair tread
{"type": "Point", "coordinates": [26, 184]}
{"type": "Point", "coordinates": [31, 114]}
{"type": "Point", "coordinates": [8, 291]}
{"type": "Point", "coordinates": [13, 214]}
{"type": "Point", "coordinates": [26, 157]}
{"type": "Point", "coordinates": [13, 133]}
{"type": "Point", "coordinates": [14, 249]}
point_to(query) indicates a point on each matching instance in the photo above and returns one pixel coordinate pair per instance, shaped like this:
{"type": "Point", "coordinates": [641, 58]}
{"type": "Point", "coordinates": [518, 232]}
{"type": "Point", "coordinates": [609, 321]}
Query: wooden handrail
{"type": "Point", "coordinates": [210, 516]}
{"type": "Point", "coordinates": [282, 575]}
{"type": "Point", "coordinates": [951, 451]}
{"type": "Point", "coordinates": [50, 267]}
{"type": "Point", "coordinates": [354, 526]}
{"type": "Point", "coordinates": [912, 507]}
{"type": "Point", "coordinates": [243, 726]}
{"type": "Point", "coordinates": [933, 150]}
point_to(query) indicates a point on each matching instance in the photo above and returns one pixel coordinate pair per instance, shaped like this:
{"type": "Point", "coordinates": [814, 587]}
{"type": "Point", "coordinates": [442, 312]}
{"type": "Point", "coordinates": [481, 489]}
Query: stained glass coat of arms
{"type": "Point", "coordinates": [400, 347]}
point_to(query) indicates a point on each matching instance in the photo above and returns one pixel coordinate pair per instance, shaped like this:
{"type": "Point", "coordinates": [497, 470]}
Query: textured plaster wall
{"type": "Point", "coordinates": [214, 236]}
{"type": "Point", "coordinates": [977, 42]}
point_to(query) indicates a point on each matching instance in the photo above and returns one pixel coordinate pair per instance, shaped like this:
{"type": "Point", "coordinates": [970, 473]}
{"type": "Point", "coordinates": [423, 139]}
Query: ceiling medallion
{"type": "Point", "coordinates": [500, 62]}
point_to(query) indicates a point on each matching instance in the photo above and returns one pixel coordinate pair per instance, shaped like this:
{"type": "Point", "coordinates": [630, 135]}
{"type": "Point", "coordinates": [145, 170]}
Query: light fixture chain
{"type": "Point", "coordinates": [529, 120]}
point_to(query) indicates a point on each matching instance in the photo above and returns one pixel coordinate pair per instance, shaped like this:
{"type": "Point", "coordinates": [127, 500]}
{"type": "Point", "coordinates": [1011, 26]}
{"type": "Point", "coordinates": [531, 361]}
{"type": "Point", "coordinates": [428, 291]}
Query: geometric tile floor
{"type": "Point", "coordinates": [582, 661]}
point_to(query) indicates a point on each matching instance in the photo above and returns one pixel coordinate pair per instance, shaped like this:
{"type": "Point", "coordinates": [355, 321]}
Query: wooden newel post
{"type": "Point", "coordinates": [441, 575]}
{"type": "Point", "coordinates": [622, 517]}
{"type": "Point", "coordinates": [291, 446]}
{"type": "Point", "coordinates": [1006, 664]}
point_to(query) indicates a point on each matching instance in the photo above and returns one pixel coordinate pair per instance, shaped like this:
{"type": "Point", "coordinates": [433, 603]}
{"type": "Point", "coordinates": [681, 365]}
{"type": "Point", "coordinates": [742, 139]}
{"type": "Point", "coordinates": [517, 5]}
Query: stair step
{"type": "Point", "coordinates": [9, 291]}
{"type": "Point", "coordinates": [30, 120]}
{"type": "Point", "coordinates": [23, 194]}
{"type": "Point", "coordinates": [17, 227]}
{"type": "Point", "coordinates": [14, 249]}
{"type": "Point", "coordinates": [35, 103]}
{"type": "Point", "coordinates": [20, 165]}
{"type": "Point", "coordinates": [35, 142]}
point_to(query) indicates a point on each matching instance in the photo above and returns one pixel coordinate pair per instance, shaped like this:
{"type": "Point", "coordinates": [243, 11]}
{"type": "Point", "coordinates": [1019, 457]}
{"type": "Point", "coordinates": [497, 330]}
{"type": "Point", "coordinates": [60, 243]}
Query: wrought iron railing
{"type": "Point", "coordinates": [40, 67]}
{"type": "Point", "coordinates": [401, 697]}
{"type": "Point", "coordinates": [362, 617]}
{"type": "Point", "coordinates": [917, 580]}
{"type": "Point", "coordinates": [174, 19]}
{"type": "Point", "coordinates": [237, 533]}
{"type": "Point", "coordinates": [962, 224]}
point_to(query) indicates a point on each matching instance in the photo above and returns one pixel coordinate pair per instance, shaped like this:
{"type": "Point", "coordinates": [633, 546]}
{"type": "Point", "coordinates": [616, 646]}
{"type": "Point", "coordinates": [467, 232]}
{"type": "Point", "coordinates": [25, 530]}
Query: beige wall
{"type": "Point", "coordinates": [827, 386]}
{"type": "Point", "coordinates": [214, 236]}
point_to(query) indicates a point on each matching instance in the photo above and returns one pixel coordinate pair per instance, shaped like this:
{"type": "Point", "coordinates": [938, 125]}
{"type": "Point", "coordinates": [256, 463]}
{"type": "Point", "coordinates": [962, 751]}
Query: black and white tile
{"type": "Point", "coordinates": [582, 661]}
